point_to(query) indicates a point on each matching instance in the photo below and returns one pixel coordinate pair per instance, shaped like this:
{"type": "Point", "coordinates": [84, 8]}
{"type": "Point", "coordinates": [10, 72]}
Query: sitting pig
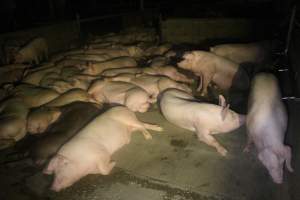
{"type": "Point", "coordinates": [90, 151]}
{"type": "Point", "coordinates": [210, 68]}
{"type": "Point", "coordinates": [239, 53]}
{"type": "Point", "coordinates": [128, 94]}
{"type": "Point", "coordinates": [40, 118]}
{"type": "Point", "coordinates": [13, 116]}
{"type": "Point", "coordinates": [267, 124]}
{"type": "Point", "coordinates": [34, 52]}
{"type": "Point", "coordinates": [168, 71]}
{"type": "Point", "coordinates": [74, 116]}
{"type": "Point", "coordinates": [95, 68]}
{"type": "Point", "coordinates": [183, 110]}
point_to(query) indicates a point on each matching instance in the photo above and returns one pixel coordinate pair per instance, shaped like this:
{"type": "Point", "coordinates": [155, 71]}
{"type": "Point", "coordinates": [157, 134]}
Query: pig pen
{"type": "Point", "coordinates": [173, 165]}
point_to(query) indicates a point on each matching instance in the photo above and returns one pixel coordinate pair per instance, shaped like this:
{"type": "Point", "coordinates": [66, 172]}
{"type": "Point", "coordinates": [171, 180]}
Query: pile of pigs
{"type": "Point", "coordinates": [60, 99]}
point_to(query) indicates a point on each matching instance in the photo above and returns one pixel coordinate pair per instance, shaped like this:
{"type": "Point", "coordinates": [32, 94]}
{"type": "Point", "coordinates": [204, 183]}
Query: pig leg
{"type": "Point", "coordinates": [200, 84]}
{"type": "Point", "coordinates": [204, 136]}
{"type": "Point", "coordinates": [140, 126]}
{"type": "Point", "coordinates": [206, 79]}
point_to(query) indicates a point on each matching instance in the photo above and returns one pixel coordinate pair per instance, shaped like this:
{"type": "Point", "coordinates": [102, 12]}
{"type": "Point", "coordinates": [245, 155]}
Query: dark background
{"type": "Point", "coordinates": [20, 14]}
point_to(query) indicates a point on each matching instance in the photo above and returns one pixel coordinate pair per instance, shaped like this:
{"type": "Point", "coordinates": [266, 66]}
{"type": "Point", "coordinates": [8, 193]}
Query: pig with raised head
{"type": "Point", "coordinates": [74, 116]}
{"type": "Point", "coordinates": [128, 94]}
{"type": "Point", "coordinates": [267, 124]}
{"type": "Point", "coordinates": [210, 68]}
{"type": "Point", "coordinates": [40, 118]}
{"type": "Point", "coordinates": [95, 68]}
{"type": "Point", "coordinates": [183, 110]}
{"type": "Point", "coordinates": [34, 52]}
{"type": "Point", "coordinates": [239, 53]}
{"type": "Point", "coordinates": [90, 151]}
{"type": "Point", "coordinates": [168, 71]}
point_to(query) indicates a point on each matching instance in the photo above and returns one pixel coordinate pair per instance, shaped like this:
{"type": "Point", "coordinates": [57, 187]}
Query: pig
{"type": "Point", "coordinates": [183, 110]}
{"type": "Point", "coordinates": [159, 61]}
{"type": "Point", "coordinates": [90, 57]}
{"type": "Point", "coordinates": [34, 96]}
{"type": "Point", "coordinates": [35, 77]}
{"type": "Point", "coordinates": [34, 52]}
{"type": "Point", "coordinates": [99, 45]}
{"type": "Point", "coordinates": [90, 151]}
{"type": "Point", "coordinates": [153, 84]}
{"type": "Point", "coordinates": [71, 62]}
{"type": "Point", "coordinates": [158, 50]}
{"type": "Point", "coordinates": [39, 119]}
{"type": "Point", "coordinates": [128, 94]}
{"type": "Point", "coordinates": [74, 116]}
{"type": "Point", "coordinates": [109, 52]}
{"type": "Point", "coordinates": [49, 78]}
{"type": "Point", "coordinates": [169, 71]}
{"type": "Point", "coordinates": [266, 125]}
{"type": "Point", "coordinates": [239, 53]}
{"type": "Point", "coordinates": [134, 51]}
{"type": "Point", "coordinates": [13, 112]}
{"type": "Point", "coordinates": [95, 68]}
{"type": "Point", "coordinates": [210, 68]}
{"type": "Point", "coordinates": [62, 55]}
{"type": "Point", "coordinates": [69, 97]}
{"type": "Point", "coordinates": [117, 71]}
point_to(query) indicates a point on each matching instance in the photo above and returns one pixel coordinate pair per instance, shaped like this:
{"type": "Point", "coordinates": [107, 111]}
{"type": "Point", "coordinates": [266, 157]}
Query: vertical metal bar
{"type": "Point", "coordinates": [290, 30]}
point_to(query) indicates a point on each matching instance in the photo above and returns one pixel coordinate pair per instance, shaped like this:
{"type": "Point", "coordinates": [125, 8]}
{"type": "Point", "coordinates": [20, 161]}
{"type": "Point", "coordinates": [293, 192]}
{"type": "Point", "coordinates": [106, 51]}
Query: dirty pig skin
{"type": "Point", "coordinates": [183, 110]}
{"type": "Point", "coordinates": [90, 151]}
{"type": "Point", "coordinates": [267, 124]}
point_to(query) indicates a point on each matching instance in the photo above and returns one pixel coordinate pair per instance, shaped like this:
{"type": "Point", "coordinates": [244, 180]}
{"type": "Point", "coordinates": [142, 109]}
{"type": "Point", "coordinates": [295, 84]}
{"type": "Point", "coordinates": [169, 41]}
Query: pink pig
{"type": "Point", "coordinates": [90, 151]}
{"type": "Point", "coordinates": [267, 124]}
{"type": "Point", "coordinates": [183, 110]}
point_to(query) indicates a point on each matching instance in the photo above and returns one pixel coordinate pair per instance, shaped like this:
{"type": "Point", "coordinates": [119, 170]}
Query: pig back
{"type": "Point", "coordinates": [74, 117]}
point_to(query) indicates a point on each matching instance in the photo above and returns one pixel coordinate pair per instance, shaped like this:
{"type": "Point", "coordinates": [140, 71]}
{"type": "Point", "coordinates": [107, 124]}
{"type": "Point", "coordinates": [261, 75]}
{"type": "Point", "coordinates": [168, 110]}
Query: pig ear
{"type": "Point", "coordinates": [224, 111]}
{"type": "Point", "coordinates": [188, 56]}
{"type": "Point", "coordinates": [222, 101]}
{"type": "Point", "coordinates": [287, 157]}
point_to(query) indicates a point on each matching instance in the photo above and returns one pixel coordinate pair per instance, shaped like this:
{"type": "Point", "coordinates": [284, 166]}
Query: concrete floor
{"type": "Point", "coordinates": [173, 165]}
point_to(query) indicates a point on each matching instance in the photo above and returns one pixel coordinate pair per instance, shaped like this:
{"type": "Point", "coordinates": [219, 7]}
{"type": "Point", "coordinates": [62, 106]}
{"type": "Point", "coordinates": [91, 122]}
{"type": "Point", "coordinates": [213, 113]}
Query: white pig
{"type": "Point", "coordinates": [239, 53]}
{"type": "Point", "coordinates": [90, 151]}
{"type": "Point", "coordinates": [266, 125]}
{"type": "Point", "coordinates": [183, 110]}
{"type": "Point", "coordinates": [128, 94]}
{"type": "Point", "coordinates": [34, 52]}
{"type": "Point", "coordinates": [210, 68]}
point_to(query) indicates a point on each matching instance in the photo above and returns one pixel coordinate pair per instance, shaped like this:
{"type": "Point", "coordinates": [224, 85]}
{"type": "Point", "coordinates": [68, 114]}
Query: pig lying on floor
{"type": "Point", "coordinates": [72, 117]}
{"type": "Point", "coordinates": [90, 151]}
{"type": "Point", "coordinates": [151, 83]}
{"type": "Point", "coordinates": [13, 112]}
{"type": "Point", "coordinates": [128, 94]}
{"type": "Point", "coordinates": [183, 110]}
{"type": "Point", "coordinates": [267, 124]}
